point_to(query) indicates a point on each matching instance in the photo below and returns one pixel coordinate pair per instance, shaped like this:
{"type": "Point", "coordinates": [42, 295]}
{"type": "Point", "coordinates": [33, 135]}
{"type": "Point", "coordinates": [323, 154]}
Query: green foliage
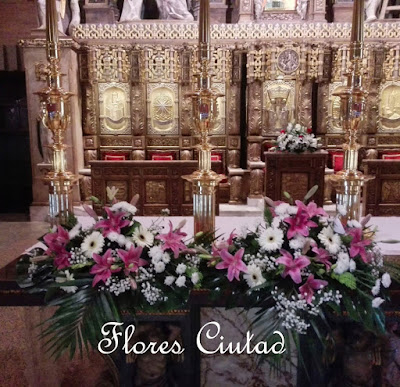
{"type": "Point", "coordinates": [347, 279]}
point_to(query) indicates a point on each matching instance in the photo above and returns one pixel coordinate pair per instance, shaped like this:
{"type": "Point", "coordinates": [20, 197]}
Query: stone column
{"type": "Point", "coordinates": [317, 10]}
{"type": "Point", "coordinates": [246, 11]}
{"type": "Point", "coordinates": [34, 55]}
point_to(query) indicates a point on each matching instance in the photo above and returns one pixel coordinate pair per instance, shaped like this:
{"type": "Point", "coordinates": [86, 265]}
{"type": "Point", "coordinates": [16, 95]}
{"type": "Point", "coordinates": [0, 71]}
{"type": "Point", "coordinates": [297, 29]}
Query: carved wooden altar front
{"type": "Point", "coordinates": [382, 194]}
{"type": "Point", "coordinates": [158, 183]}
{"type": "Point", "coordinates": [295, 174]}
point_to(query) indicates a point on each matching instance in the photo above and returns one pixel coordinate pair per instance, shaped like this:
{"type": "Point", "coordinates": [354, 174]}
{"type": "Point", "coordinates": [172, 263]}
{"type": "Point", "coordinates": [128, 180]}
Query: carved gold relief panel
{"type": "Point", "coordinates": [162, 108]}
{"type": "Point", "coordinates": [279, 107]}
{"type": "Point", "coordinates": [109, 64]}
{"type": "Point", "coordinates": [389, 107]}
{"type": "Point", "coordinates": [156, 191]}
{"type": "Point", "coordinates": [334, 121]}
{"type": "Point", "coordinates": [391, 191]}
{"type": "Point", "coordinates": [296, 184]}
{"type": "Point", "coordinates": [219, 126]}
{"type": "Point", "coordinates": [114, 107]}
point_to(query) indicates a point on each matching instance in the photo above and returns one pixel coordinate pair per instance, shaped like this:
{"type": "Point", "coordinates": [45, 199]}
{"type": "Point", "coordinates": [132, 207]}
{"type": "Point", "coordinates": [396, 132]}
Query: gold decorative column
{"type": "Point", "coordinates": [349, 181]}
{"type": "Point", "coordinates": [55, 116]}
{"type": "Point", "coordinates": [204, 101]}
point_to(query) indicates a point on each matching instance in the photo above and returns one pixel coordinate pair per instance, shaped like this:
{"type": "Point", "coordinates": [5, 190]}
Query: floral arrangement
{"type": "Point", "coordinates": [300, 267]}
{"type": "Point", "coordinates": [297, 139]}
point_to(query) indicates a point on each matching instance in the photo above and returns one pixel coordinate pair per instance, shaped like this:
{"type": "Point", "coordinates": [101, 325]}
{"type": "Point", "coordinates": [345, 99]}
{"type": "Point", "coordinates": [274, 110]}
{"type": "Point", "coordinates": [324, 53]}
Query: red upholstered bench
{"type": "Point", "coordinates": [391, 155]}
{"type": "Point", "coordinates": [115, 156]}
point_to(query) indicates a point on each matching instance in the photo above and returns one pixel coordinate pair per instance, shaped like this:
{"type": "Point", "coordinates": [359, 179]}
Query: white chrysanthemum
{"type": "Point", "coordinates": [195, 277]}
{"type": "Point", "coordinates": [292, 210]}
{"type": "Point", "coordinates": [113, 236]}
{"type": "Point", "coordinates": [331, 241]}
{"type": "Point", "coordinates": [159, 267]}
{"type": "Point", "coordinates": [169, 280]}
{"type": "Point", "coordinates": [74, 231]}
{"type": "Point", "coordinates": [352, 265]}
{"type": "Point", "coordinates": [297, 242]}
{"type": "Point", "coordinates": [124, 206]}
{"type": "Point", "coordinates": [376, 289]}
{"type": "Point", "coordinates": [271, 239]}
{"type": "Point", "coordinates": [181, 268]}
{"type": "Point", "coordinates": [386, 280]}
{"type": "Point", "coordinates": [342, 264]}
{"type": "Point", "coordinates": [156, 253]}
{"type": "Point", "coordinates": [341, 209]}
{"type": "Point", "coordinates": [377, 302]}
{"type": "Point", "coordinates": [253, 276]}
{"type": "Point", "coordinates": [68, 277]}
{"type": "Point", "coordinates": [282, 209]}
{"type": "Point", "coordinates": [276, 222]}
{"type": "Point", "coordinates": [121, 240]}
{"type": "Point", "coordinates": [353, 223]}
{"type": "Point", "coordinates": [92, 244]}
{"type": "Point", "coordinates": [180, 281]}
{"type": "Point", "coordinates": [143, 237]}
{"type": "Point", "coordinates": [166, 258]}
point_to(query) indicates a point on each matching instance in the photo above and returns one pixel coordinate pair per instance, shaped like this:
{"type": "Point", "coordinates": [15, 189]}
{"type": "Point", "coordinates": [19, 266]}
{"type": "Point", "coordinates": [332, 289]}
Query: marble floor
{"type": "Point", "coordinates": [15, 237]}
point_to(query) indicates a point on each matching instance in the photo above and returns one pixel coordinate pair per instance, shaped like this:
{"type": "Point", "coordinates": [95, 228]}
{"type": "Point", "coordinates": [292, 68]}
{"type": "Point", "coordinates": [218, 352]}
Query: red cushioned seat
{"type": "Point", "coordinates": [391, 156]}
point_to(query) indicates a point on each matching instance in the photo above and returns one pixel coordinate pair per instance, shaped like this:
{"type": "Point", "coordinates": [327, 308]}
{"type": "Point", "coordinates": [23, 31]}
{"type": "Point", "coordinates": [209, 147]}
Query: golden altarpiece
{"type": "Point", "coordinates": [132, 82]}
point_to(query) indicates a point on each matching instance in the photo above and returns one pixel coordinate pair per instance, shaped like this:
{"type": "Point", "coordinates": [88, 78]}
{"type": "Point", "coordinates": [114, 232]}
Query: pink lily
{"type": "Point", "coordinates": [307, 290]}
{"type": "Point", "coordinates": [172, 240]}
{"type": "Point", "coordinates": [322, 256]}
{"type": "Point", "coordinates": [233, 263]}
{"type": "Point", "coordinates": [312, 209]}
{"type": "Point", "coordinates": [222, 244]}
{"type": "Point", "coordinates": [103, 267]}
{"type": "Point", "coordinates": [56, 240]}
{"type": "Point", "coordinates": [292, 265]}
{"type": "Point", "coordinates": [61, 261]}
{"type": "Point", "coordinates": [114, 223]}
{"type": "Point", "coordinates": [299, 224]}
{"type": "Point", "coordinates": [132, 259]}
{"type": "Point", "coordinates": [357, 244]}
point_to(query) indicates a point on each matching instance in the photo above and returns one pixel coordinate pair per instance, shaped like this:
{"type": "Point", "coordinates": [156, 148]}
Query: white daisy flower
{"type": "Point", "coordinates": [92, 244]}
{"type": "Point", "coordinates": [331, 241]}
{"type": "Point", "coordinates": [125, 207]}
{"type": "Point", "coordinates": [195, 278]}
{"type": "Point", "coordinates": [386, 280]}
{"type": "Point", "coordinates": [180, 281]}
{"type": "Point", "coordinates": [169, 280]}
{"type": "Point", "coordinates": [181, 268]}
{"type": "Point", "coordinates": [253, 276]}
{"type": "Point", "coordinates": [159, 267]}
{"type": "Point", "coordinates": [271, 239]}
{"type": "Point", "coordinates": [68, 277]}
{"type": "Point", "coordinates": [376, 302]}
{"type": "Point", "coordinates": [143, 237]}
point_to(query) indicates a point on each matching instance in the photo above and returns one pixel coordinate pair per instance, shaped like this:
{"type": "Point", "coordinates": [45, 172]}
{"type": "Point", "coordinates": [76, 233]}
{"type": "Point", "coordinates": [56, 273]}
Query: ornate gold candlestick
{"type": "Point", "coordinates": [55, 116]}
{"type": "Point", "coordinates": [349, 181]}
{"type": "Point", "coordinates": [204, 100]}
